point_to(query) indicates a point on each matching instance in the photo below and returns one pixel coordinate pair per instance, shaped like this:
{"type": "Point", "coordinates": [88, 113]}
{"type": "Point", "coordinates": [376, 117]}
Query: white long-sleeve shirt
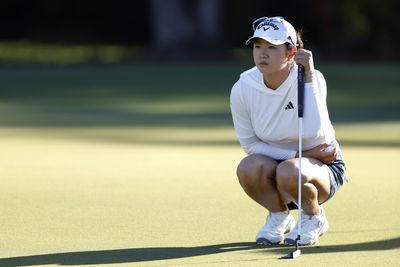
{"type": "Point", "coordinates": [266, 120]}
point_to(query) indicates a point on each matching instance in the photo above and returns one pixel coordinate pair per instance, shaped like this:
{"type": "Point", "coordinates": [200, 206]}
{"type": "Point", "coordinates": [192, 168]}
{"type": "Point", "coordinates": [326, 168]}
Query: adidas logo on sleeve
{"type": "Point", "coordinates": [289, 106]}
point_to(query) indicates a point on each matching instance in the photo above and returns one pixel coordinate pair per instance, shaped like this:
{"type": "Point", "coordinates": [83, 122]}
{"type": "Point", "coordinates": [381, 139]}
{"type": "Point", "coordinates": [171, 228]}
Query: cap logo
{"type": "Point", "coordinates": [267, 23]}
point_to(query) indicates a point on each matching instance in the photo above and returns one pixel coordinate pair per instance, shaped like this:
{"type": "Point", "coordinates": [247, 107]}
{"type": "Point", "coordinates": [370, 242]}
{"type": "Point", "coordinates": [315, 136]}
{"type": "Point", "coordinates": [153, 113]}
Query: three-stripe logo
{"type": "Point", "coordinates": [289, 106]}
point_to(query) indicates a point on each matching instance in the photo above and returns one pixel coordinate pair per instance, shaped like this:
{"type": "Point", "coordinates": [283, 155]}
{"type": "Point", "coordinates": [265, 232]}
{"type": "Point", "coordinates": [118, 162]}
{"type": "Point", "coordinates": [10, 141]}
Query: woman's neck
{"type": "Point", "coordinates": [274, 80]}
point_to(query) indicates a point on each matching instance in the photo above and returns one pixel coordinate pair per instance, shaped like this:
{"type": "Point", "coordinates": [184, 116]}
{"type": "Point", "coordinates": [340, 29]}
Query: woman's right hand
{"type": "Point", "coordinates": [319, 153]}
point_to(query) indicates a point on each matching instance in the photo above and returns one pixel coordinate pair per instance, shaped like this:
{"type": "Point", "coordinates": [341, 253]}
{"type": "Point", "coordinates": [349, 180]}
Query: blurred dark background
{"type": "Point", "coordinates": [189, 29]}
{"type": "Point", "coordinates": [107, 63]}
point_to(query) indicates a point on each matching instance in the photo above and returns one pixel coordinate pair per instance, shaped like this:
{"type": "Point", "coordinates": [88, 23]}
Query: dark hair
{"type": "Point", "coordinates": [299, 44]}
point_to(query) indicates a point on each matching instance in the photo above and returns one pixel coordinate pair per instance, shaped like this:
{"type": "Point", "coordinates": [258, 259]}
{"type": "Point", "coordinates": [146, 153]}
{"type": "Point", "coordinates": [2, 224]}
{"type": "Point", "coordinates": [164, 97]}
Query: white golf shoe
{"type": "Point", "coordinates": [277, 224]}
{"type": "Point", "coordinates": [312, 227]}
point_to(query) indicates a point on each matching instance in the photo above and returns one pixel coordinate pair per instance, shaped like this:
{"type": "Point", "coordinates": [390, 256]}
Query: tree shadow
{"type": "Point", "coordinates": [130, 255]}
{"type": "Point", "coordinates": [133, 255]}
{"type": "Point", "coordinates": [388, 244]}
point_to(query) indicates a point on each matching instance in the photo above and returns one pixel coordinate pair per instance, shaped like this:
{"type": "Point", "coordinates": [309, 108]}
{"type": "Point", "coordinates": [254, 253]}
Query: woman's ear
{"type": "Point", "coordinates": [292, 53]}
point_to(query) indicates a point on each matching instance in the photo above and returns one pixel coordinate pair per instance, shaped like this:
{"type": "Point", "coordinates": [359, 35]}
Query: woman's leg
{"type": "Point", "coordinates": [316, 183]}
{"type": "Point", "coordinates": [256, 175]}
{"type": "Point", "coordinates": [315, 190]}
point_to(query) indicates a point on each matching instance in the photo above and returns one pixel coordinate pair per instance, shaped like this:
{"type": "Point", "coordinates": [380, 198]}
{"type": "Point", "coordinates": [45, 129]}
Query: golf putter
{"type": "Point", "coordinates": [300, 103]}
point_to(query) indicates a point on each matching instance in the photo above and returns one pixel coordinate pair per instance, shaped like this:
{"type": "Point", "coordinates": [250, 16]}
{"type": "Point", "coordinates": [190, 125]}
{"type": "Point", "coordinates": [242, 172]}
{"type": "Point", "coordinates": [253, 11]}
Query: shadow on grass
{"type": "Point", "coordinates": [393, 243]}
{"type": "Point", "coordinates": [91, 96]}
{"type": "Point", "coordinates": [125, 255]}
{"type": "Point", "coordinates": [101, 116]}
{"type": "Point", "coordinates": [133, 255]}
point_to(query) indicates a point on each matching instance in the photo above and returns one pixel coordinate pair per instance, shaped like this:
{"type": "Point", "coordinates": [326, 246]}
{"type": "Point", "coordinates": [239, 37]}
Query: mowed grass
{"type": "Point", "coordinates": [137, 178]}
{"type": "Point", "coordinates": [77, 200]}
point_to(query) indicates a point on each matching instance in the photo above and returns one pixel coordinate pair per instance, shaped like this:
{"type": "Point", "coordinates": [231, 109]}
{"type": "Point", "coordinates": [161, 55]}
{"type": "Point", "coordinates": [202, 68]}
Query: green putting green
{"type": "Point", "coordinates": [145, 179]}
{"type": "Point", "coordinates": [74, 197]}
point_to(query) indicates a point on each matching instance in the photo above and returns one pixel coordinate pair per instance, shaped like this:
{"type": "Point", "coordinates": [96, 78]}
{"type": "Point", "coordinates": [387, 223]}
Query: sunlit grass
{"type": "Point", "coordinates": [373, 133]}
{"type": "Point", "coordinates": [95, 160]}
{"type": "Point", "coordinates": [360, 134]}
{"type": "Point", "coordinates": [81, 190]}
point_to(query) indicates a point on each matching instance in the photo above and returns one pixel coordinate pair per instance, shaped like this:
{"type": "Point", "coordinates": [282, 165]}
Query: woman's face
{"type": "Point", "coordinates": [271, 58]}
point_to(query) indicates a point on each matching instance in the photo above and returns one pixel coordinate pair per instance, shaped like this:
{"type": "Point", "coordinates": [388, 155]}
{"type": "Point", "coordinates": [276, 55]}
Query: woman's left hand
{"type": "Point", "coordinates": [305, 58]}
{"type": "Point", "coordinates": [319, 153]}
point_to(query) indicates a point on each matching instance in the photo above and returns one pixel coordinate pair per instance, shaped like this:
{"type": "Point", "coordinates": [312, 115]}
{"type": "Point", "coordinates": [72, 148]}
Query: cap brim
{"type": "Point", "coordinates": [272, 41]}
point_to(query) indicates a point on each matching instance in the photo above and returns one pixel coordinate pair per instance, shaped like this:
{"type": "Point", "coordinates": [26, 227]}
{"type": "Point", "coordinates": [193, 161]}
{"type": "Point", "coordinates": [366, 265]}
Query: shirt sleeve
{"type": "Point", "coordinates": [317, 86]}
{"type": "Point", "coordinates": [249, 141]}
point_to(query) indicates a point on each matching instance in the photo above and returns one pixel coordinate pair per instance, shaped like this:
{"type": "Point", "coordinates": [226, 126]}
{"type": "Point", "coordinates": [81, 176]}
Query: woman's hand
{"type": "Point", "coordinates": [305, 58]}
{"type": "Point", "coordinates": [319, 153]}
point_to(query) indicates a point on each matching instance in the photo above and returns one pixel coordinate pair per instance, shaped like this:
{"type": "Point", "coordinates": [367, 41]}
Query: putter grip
{"type": "Point", "coordinates": [300, 88]}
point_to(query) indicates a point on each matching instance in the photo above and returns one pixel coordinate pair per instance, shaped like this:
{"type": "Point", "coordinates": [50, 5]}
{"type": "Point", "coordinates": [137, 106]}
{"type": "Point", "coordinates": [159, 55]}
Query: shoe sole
{"type": "Point", "coordinates": [291, 242]}
{"type": "Point", "coordinates": [265, 242]}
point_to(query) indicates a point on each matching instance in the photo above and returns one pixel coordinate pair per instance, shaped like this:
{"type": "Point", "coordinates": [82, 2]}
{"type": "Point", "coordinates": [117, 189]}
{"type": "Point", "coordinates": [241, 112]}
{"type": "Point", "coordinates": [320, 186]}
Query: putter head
{"type": "Point", "coordinates": [296, 253]}
{"type": "Point", "coordinates": [293, 254]}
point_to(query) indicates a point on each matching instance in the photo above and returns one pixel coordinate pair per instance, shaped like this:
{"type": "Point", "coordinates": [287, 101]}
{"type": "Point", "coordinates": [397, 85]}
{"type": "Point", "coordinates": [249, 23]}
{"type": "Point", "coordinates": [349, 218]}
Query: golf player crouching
{"type": "Point", "coordinates": [264, 111]}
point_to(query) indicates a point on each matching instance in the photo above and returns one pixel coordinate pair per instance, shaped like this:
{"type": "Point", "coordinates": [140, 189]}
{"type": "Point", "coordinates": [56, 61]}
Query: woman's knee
{"type": "Point", "coordinates": [287, 175]}
{"type": "Point", "coordinates": [250, 166]}
{"type": "Point", "coordinates": [253, 167]}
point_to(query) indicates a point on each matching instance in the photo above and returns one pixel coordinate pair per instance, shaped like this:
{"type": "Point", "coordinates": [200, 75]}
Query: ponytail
{"type": "Point", "coordinates": [300, 43]}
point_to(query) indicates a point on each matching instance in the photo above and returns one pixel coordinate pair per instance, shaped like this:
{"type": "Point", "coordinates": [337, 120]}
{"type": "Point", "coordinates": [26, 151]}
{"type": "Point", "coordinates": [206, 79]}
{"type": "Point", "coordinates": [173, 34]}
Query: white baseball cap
{"type": "Point", "coordinates": [275, 30]}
